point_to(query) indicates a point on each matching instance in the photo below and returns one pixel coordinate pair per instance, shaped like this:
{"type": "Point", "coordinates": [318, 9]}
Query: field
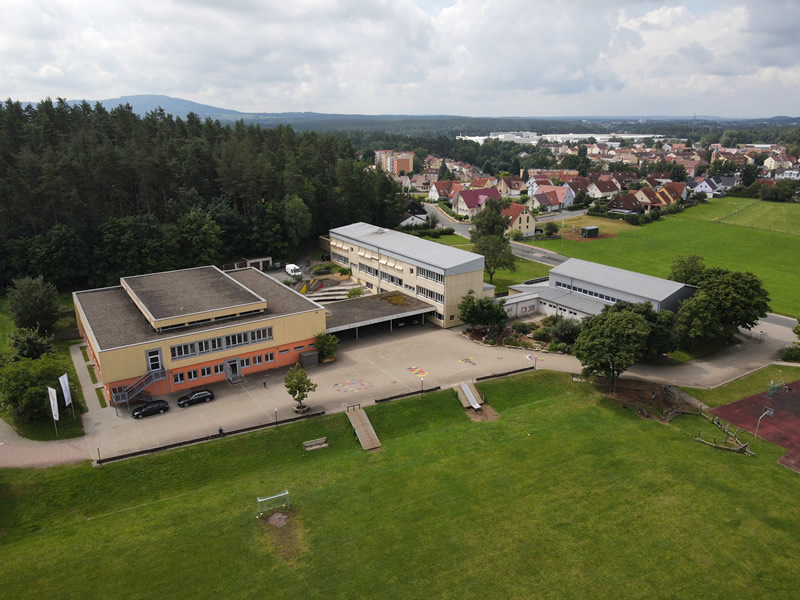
{"type": "Point", "coordinates": [746, 386]}
{"type": "Point", "coordinates": [526, 269]}
{"type": "Point", "coordinates": [748, 212]}
{"type": "Point", "coordinates": [650, 249]}
{"type": "Point", "coordinates": [567, 494]}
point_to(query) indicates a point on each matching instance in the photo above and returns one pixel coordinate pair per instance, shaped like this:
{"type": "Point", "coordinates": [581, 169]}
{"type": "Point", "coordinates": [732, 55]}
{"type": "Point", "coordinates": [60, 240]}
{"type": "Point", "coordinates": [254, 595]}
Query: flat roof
{"type": "Point", "coordinates": [566, 298]}
{"type": "Point", "coordinates": [116, 321]}
{"type": "Point", "coordinates": [639, 284]}
{"type": "Point", "coordinates": [173, 294]}
{"type": "Point", "coordinates": [377, 308]}
{"type": "Point", "coordinates": [405, 246]}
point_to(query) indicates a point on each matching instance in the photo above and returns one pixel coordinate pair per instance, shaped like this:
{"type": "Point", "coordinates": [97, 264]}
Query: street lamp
{"type": "Point", "coordinates": [422, 385]}
{"type": "Point", "coordinates": [768, 412]}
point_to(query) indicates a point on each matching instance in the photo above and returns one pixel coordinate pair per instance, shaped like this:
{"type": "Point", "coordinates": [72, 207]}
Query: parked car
{"type": "Point", "coordinates": [150, 408]}
{"type": "Point", "coordinates": [195, 397]}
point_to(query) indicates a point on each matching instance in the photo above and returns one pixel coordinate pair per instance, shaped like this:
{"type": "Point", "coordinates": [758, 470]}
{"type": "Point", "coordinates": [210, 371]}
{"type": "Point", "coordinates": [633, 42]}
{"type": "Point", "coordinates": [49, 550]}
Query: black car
{"type": "Point", "coordinates": [150, 408]}
{"type": "Point", "coordinates": [195, 397]}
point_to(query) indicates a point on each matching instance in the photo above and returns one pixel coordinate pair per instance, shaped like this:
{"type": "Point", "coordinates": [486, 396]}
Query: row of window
{"type": "Point", "coordinates": [587, 292]}
{"type": "Point", "coordinates": [221, 343]}
{"type": "Point", "coordinates": [428, 274]}
{"type": "Point", "coordinates": [391, 278]}
{"type": "Point", "coordinates": [430, 295]}
{"type": "Point", "coordinates": [219, 368]}
{"type": "Point", "coordinates": [367, 269]}
{"type": "Point", "coordinates": [340, 258]}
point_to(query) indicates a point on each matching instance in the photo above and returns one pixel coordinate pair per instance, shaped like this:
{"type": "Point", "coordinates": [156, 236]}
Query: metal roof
{"type": "Point", "coordinates": [411, 248]}
{"type": "Point", "coordinates": [579, 302]}
{"type": "Point", "coordinates": [638, 284]}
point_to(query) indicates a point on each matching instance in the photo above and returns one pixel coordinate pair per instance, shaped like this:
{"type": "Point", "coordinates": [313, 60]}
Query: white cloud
{"type": "Point", "coordinates": [437, 56]}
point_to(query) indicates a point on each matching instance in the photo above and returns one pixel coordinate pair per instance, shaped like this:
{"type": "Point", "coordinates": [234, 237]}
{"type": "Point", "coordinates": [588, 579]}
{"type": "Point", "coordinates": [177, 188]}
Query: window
{"type": "Point", "coordinates": [339, 258]}
{"type": "Point", "coordinates": [261, 334]}
{"type": "Point", "coordinates": [182, 350]}
{"type": "Point", "coordinates": [178, 378]}
{"type": "Point", "coordinates": [431, 295]}
{"type": "Point", "coordinates": [269, 357]}
{"type": "Point", "coordinates": [296, 348]}
{"type": "Point", "coordinates": [452, 317]}
{"type": "Point", "coordinates": [218, 369]}
{"type": "Point", "coordinates": [191, 375]}
{"type": "Point", "coordinates": [427, 274]}
{"type": "Point", "coordinates": [211, 345]}
{"type": "Point", "coordinates": [392, 279]}
{"type": "Point", "coordinates": [237, 339]}
{"type": "Point", "coordinates": [284, 351]}
{"type": "Point", "coordinates": [244, 363]}
{"type": "Point", "coordinates": [367, 269]}
{"type": "Point", "coordinates": [439, 316]}
{"type": "Point", "coordinates": [205, 372]}
{"type": "Point", "coordinates": [257, 359]}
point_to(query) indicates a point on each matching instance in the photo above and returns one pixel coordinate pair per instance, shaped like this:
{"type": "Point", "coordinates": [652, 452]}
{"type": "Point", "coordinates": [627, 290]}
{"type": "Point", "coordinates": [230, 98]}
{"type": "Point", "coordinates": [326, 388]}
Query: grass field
{"type": "Point", "coordinates": [526, 269]}
{"type": "Point", "coordinates": [747, 212]}
{"type": "Point", "coordinates": [566, 495]}
{"type": "Point", "coordinates": [755, 383]}
{"type": "Point", "coordinates": [652, 248]}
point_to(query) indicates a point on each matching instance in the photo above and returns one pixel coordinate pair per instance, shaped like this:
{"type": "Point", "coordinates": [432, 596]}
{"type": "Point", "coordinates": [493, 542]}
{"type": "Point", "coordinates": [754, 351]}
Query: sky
{"type": "Point", "coordinates": [729, 58]}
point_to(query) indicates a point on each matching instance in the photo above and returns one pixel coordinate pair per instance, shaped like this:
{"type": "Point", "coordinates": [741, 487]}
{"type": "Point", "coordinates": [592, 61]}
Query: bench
{"type": "Point", "coordinates": [316, 444]}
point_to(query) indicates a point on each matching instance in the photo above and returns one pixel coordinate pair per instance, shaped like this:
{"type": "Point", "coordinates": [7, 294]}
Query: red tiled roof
{"type": "Point", "coordinates": [514, 211]}
{"type": "Point", "coordinates": [475, 198]}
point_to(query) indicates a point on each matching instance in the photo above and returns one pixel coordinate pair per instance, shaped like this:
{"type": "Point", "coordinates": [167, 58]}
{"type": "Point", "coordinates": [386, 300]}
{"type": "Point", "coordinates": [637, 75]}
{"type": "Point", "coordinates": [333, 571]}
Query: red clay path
{"type": "Point", "coordinates": [783, 428]}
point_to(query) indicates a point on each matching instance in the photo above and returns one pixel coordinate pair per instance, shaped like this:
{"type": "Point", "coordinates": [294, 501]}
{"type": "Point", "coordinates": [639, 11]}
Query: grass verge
{"type": "Point", "coordinates": [750, 385]}
{"type": "Point", "coordinates": [101, 398]}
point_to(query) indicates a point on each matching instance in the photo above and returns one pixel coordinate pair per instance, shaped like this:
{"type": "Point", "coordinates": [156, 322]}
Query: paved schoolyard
{"type": "Point", "coordinates": [377, 365]}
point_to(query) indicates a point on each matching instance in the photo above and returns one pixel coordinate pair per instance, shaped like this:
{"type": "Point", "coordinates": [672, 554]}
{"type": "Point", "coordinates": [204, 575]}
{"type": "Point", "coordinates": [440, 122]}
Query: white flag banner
{"type": "Point", "coordinates": [64, 381]}
{"type": "Point", "coordinates": [53, 402]}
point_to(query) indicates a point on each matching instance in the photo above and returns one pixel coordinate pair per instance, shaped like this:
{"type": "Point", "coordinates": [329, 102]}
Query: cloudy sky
{"type": "Point", "coordinates": [468, 57]}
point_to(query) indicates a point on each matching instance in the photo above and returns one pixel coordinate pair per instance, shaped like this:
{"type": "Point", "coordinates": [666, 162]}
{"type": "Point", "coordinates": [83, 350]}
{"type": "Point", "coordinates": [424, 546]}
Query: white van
{"type": "Point", "coordinates": [294, 271]}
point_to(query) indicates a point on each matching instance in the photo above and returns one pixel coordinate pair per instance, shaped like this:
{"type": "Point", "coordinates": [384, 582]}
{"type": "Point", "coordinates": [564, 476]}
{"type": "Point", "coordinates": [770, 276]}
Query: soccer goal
{"type": "Point", "coordinates": [270, 502]}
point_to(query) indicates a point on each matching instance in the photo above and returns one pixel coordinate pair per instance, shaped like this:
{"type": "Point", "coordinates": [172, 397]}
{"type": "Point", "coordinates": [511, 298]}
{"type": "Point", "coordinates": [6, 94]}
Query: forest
{"type": "Point", "coordinates": [88, 195]}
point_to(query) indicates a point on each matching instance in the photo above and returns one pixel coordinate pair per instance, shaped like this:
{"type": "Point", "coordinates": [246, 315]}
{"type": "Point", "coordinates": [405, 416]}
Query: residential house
{"type": "Point", "coordinates": [601, 189]}
{"type": "Point", "coordinates": [708, 187]}
{"type": "Point", "coordinates": [625, 203]}
{"type": "Point", "coordinates": [511, 185]}
{"type": "Point", "coordinates": [677, 189]}
{"type": "Point", "coordinates": [444, 190]}
{"type": "Point", "coordinates": [544, 202]}
{"type": "Point", "coordinates": [648, 199]}
{"type": "Point", "coordinates": [479, 183]}
{"type": "Point", "coordinates": [774, 161]}
{"type": "Point", "coordinates": [414, 214]}
{"type": "Point", "coordinates": [422, 182]}
{"type": "Point", "coordinates": [519, 219]}
{"type": "Point", "coordinates": [563, 195]}
{"type": "Point", "coordinates": [535, 181]}
{"type": "Point", "coordinates": [470, 202]}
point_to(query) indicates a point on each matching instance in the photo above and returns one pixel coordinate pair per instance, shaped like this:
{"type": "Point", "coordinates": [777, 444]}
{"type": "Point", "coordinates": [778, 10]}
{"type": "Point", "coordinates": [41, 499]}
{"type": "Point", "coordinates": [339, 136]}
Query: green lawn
{"type": "Point", "coordinates": [754, 383]}
{"type": "Point", "coordinates": [652, 248]}
{"type": "Point", "coordinates": [526, 269]}
{"type": "Point", "coordinates": [566, 495]}
{"type": "Point", "coordinates": [772, 216]}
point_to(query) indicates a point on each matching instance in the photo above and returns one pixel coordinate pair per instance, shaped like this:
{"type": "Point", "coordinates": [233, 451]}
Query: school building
{"type": "Point", "coordinates": [166, 332]}
{"type": "Point", "coordinates": [384, 260]}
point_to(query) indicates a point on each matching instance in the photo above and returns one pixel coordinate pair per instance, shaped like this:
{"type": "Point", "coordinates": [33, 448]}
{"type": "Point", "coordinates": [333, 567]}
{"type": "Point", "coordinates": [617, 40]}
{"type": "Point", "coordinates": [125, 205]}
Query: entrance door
{"type": "Point", "coordinates": [154, 362]}
{"type": "Point", "coordinates": [233, 368]}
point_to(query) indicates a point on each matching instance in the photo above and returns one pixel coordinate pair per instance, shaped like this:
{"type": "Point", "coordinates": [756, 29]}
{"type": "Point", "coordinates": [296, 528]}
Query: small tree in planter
{"type": "Point", "coordinates": [299, 386]}
{"type": "Point", "coordinates": [326, 345]}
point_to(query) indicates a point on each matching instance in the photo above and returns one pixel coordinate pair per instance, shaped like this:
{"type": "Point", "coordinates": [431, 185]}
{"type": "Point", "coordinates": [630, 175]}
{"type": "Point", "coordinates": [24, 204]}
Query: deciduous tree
{"type": "Point", "coordinates": [298, 385]}
{"type": "Point", "coordinates": [33, 303]}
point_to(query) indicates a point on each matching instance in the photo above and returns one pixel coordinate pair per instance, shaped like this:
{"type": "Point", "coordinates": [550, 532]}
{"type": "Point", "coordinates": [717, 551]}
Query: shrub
{"type": "Point", "coordinates": [540, 335]}
{"type": "Point", "coordinates": [553, 347]}
{"type": "Point", "coordinates": [322, 269]}
{"type": "Point", "coordinates": [645, 219]}
{"type": "Point", "coordinates": [633, 219]}
{"type": "Point", "coordinates": [343, 271]}
{"type": "Point", "coordinates": [355, 293]}
{"type": "Point", "coordinates": [326, 344]}
{"type": "Point", "coordinates": [792, 353]}
{"type": "Point", "coordinates": [523, 326]}
{"type": "Point", "coordinates": [566, 330]}
{"type": "Point", "coordinates": [655, 214]}
{"type": "Point", "coordinates": [515, 235]}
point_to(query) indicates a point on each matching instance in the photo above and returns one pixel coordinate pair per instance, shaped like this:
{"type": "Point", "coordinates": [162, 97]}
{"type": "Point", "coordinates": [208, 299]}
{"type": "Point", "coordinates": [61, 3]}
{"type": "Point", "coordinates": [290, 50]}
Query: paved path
{"type": "Point", "coordinates": [378, 365]}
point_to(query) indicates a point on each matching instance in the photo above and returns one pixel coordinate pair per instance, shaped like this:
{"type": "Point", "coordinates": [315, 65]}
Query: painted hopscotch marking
{"type": "Point", "coordinates": [418, 372]}
{"type": "Point", "coordinates": [349, 385]}
{"type": "Point", "coordinates": [469, 360]}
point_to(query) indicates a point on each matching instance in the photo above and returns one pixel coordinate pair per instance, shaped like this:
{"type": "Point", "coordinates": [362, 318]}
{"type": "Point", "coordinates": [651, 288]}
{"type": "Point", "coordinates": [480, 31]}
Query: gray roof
{"type": "Point", "coordinates": [375, 308]}
{"type": "Point", "coordinates": [116, 321]}
{"type": "Point", "coordinates": [646, 286]}
{"type": "Point", "coordinates": [188, 291]}
{"type": "Point", "coordinates": [578, 302]}
{"type": "Point", "coordinates": [410, 248]}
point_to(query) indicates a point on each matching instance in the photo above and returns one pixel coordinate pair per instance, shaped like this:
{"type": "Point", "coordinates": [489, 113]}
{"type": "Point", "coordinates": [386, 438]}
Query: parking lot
{"type": "Point", "coordinates": [377, 365]}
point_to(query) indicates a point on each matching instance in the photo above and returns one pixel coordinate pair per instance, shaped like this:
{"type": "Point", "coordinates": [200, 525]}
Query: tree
{"type": "Point", "coordinates": [483, 313]}
{"type": "Point", "coordinates": [660, 338]}
{"type": "Point", "coordinates": [297, 219]}
{"type": "Point", "coordinates": [23, 387]}
{"type": "Point", "coordinates": [490, 221]}
{"type": "Point", "coordinates": [497, 254]}
{"type": "Point", "coordinates": [33, 303]}
{"type": "Point", "coordinates": [199, 239]}
{"type": "Point", "coordinates": [678, 173]}
{"type": "Point", "coordinates": [298, 385]}
{"type": "Point", "coordinates": [749, 174]}
{"type": "Point", "coordinates": [30, 343]}
{"type": "Point", "coordinates": [688, 269]}
{"type": "Point", "coordinates": [326, 344]}
{"type": "Point", "coordinates": [551, 228]}
{"type": "Point", "coordinates": [610, 342]}
{"type": "Point", "coordinates": [432, 220]}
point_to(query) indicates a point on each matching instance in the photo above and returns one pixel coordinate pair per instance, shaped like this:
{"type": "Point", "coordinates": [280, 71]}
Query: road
{"type": "Point", "coordinates": [525, 251]}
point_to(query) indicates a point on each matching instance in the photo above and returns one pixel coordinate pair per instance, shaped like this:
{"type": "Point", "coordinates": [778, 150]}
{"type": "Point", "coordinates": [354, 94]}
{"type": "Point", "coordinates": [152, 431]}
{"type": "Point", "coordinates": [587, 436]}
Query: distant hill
{"type": "Point", "coordinates": [438, 124]}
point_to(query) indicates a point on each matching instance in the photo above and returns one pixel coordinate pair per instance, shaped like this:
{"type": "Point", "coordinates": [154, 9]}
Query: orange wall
{"type": "Point", "coordinates": [167, 385]}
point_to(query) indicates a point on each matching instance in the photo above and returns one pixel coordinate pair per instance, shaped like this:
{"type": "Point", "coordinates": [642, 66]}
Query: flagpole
{"type": "Point", "coordinates": [56, 426]}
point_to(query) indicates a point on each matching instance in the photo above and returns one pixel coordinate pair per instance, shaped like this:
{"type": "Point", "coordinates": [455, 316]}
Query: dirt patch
{"type": "Point", "coordinates": [634, 395]}
{"type": "Point", "coordinates": [575, 236]}
{"type": "Point", "coordinates": [486, 413]}
{"type": "Point", "coordinates": [284, 534]}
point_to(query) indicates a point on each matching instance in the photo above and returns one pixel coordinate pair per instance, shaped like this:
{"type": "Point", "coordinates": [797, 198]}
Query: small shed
{"type": "Point", "coordinates": [309, 358]}
{"type": "Point", "coordinates": [590, 231]}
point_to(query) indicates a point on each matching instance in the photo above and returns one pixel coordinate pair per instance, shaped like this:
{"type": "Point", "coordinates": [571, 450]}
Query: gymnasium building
{"type": "Point", "coordinates": [165, 332]}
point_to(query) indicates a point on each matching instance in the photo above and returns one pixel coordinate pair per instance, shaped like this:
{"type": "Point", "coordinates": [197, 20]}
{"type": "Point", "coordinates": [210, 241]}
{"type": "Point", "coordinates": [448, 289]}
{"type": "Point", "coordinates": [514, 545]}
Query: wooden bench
{"type": "Point", "coordinates": [315, 444]}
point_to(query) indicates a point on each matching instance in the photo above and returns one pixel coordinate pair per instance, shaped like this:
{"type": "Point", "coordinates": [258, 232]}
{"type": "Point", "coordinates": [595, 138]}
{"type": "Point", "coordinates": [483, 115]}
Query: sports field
{"type": "Point", "coordinates": [566, 495]}
{"type": "Point", "coordinates": [772, 255]}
